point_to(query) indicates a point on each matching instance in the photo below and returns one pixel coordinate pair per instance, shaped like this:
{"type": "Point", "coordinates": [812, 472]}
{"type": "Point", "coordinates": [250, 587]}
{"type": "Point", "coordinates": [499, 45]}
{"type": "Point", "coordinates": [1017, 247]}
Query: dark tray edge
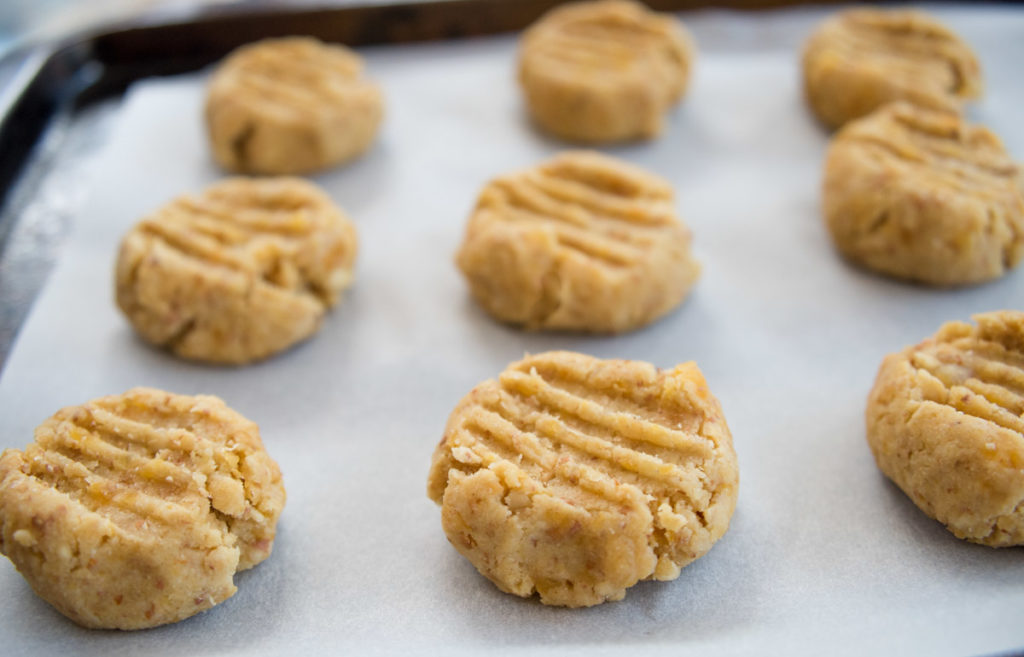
{"type": "Point", "coordinates": [94, 65]}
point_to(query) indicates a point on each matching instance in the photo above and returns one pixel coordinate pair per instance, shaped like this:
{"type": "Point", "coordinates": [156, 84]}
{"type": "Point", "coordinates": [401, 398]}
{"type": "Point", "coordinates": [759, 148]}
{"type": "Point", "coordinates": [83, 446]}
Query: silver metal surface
{"type": "Point", "coordinates": [42, 205]}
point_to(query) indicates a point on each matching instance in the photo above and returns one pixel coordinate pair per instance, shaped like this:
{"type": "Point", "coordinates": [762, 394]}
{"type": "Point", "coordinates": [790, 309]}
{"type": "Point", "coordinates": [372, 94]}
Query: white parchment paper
{"type": "Point", "coordinates": [823, 555]}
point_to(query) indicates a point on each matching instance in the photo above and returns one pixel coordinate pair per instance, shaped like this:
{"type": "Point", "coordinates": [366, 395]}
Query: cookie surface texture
{"type": "Point", "coordinates": [290, 106]}
{"type": "Point", "coordinates": [575, 478]}
{"type": "Point", "coordinates": [581, 242]}
{"type": "Point", "coordinates": [861, 59]}
{"type": "Point", "coordinates": [945, 422]}
{"type": "Point", "coordinates": [242, 271]}
{"type": "Point", "coordinates": [925, 196]}
{"type": "Point", "coordinates": [135, 510]}
{"type": "Point", "coordinates": [604, 71]}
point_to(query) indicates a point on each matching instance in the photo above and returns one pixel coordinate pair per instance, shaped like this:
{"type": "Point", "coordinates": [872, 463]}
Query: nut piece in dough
{"type": "Point", "coordinates": [236, 274]}
{"type": "Point", "coordinates": [581, 242]}
{"type": "Point", "coordinates": [861, 59]}
{"type": "Point", "coordinates": [604, 71]}
{"type": "Point", "coordinates": [136, 510]}
{"type": "Point", "coordinates": [575, 478]}
{"type": "Point", "coordinates": [945, 421]}
{"type": "Point", "coordinates": [290, 106]}
{"type": "Point", "coordinates": [925, 196]}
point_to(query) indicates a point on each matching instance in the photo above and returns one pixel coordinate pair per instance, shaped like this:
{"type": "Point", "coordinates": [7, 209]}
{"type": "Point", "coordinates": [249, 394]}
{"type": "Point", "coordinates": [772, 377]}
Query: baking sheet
{"type": "Point", "coordinates": [823, 554]}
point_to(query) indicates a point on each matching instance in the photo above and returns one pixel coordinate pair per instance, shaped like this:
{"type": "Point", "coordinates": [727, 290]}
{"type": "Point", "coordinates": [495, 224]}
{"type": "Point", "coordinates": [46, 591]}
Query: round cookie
{"type": "Point", "coordinates": [243, 271]}
{"type": "Point", "coordinates": [290, 106]}
{"type": "Point", "coordinates": [604, 71]}
{"type": "Point", "coordinates": [136, 510]}
{"type": "Point", "coordinates": [581, 242]}
{"type": "Point", "coordinates": [861, 59]}
{"type": "Point", "coordinates": [575, 478]}
{"type": "Point", "coordinates": [945, 422]}
{"type": "Point", "coordinates": [923, 195]}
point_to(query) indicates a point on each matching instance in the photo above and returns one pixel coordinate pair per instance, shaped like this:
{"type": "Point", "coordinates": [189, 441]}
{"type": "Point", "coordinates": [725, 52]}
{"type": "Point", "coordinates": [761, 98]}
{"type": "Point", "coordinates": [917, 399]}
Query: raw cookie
{"type": "Point", "coordinates": [923, 195]}
{"type": "Point", "coordinates": [575, 478]}
{"type": "Point", "coordinates": [238, 273]}
{"type": "Point", "coordinates": [290, 106]}
{"type": "Point", "coordinates": [582, 242]}
{"type": "Point", "coordinates": [945, 422]}
{"type": "Point", "coordinates": [861, 59]}
{"type": "Point", "coordinates": [136, 510]}
{"type": "Point", "coordinates": [604, 71]}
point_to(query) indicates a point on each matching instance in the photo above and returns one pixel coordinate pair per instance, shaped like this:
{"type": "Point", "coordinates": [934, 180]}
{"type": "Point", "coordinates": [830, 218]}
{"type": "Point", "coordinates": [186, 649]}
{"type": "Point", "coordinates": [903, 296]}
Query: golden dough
{"type": "Point", "coordinates": [575, 478]}
{"type": "Point", "coordinates": [290, 106]}
{"type": "Point", "coordinates": [945, 421]}
{"type": "Point", "coordinates": [861, 59]}
{"type": "Point", "coordinates": [581, 242]}
{"type": "Point", "coordinates": [136, 510]}
{"type": "Point", "coordinates": [604, 71]}
{"type": "Point", "coordinates": [241, 272]}
{"type": "Point", "coordinates": [923, 195]}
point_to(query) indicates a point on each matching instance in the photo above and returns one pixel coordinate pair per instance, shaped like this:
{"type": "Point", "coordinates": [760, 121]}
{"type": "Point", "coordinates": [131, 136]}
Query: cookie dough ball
{"type": "Point", "coordinates": [582, 242]}
{"type": "Point", "coordinates": [136, 510]}
{"type": "Point", "coordinates": [604, 71]}
{"type": "Point", "coordinates": [945, 422]}
{"type": "Point", "coordinates": [242, 271]}
{"type": "Point", "coordinates": [861, 59]}
{"type": "Point", "coordinates": [575, 478]}
{"type": "Point", "coordinates": [923, 195]}
{"type": "Point", "coordinates": [290, 106]}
